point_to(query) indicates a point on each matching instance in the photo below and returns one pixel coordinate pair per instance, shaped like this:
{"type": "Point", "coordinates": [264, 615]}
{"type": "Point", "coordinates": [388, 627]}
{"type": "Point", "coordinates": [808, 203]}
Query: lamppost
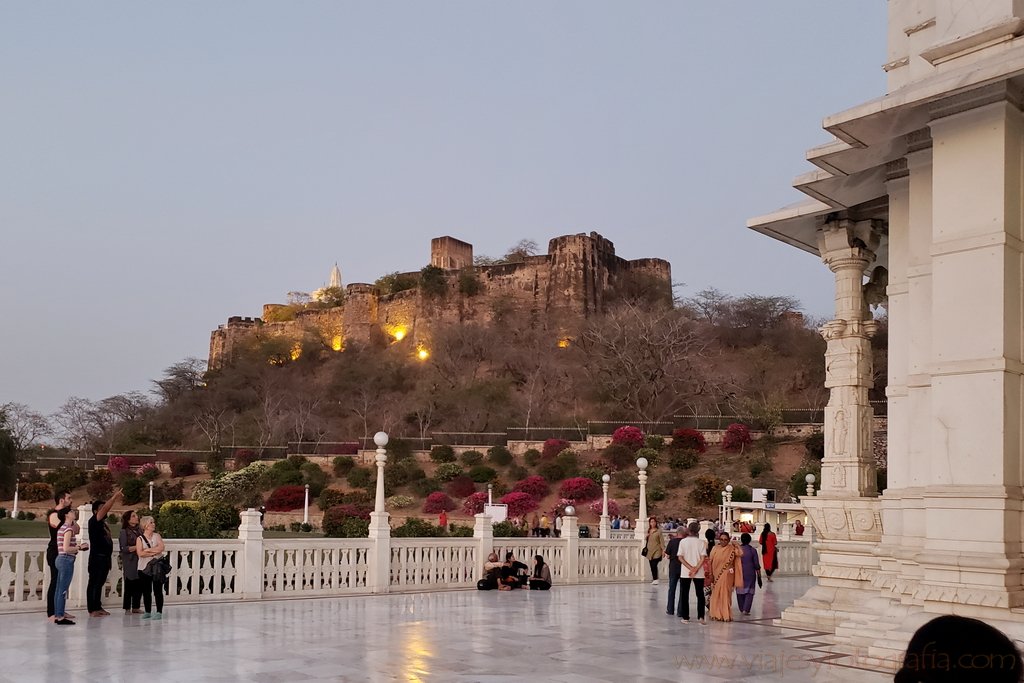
{"type": "Point", "coordinates": [728, 502]}
{"type": "Point", "coordinates": [14, 513]}
{"type": "Point", "coordinates": [379, 527]}
{"type": "Point", "coordinates": [721, 512]}
{"type": "Point", "coordinates": [305, 507]}
{"type": "Point", "coordinates": [641, 524]}
{"type": "Point", "coordinates": [151, 496]}
{"type": "Point", "coordinates": [490, 497]}
{"type": "Point", "coordinates": [810, 484]}
{"type": "Point", "coordinates": [606, 527]}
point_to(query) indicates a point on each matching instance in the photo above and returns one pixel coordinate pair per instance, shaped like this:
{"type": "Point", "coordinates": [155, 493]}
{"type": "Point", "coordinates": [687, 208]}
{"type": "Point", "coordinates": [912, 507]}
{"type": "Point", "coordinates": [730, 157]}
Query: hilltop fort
{"type": "Point", "coordinates": [578, 278]}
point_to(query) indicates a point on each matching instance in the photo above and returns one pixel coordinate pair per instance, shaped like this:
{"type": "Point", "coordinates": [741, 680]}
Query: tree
{"type": "Point", "coordinates": [298, 298]}
{"type": "Point", "coordinates": [8, 458]}
{"type": "Point", "coordinates": [25, 426]}
{"type": "Point", "coordinates": [520, 251]}
{"type": "Point", "coordinates": [710, 303]}
{"type": "Point", "coordinates": [180, 378]}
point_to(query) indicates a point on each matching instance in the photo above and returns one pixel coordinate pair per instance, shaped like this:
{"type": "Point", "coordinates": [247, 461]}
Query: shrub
{"type": "Point", "coordinates": [295, 527]}
{"type": "Point", "coordinates": [359, 477]}
{"type": "Point", "coordinates": [184, 519]}
{"type": "Point", "coordinates": [99, 490]}
{"type": "Point", "coordinates": [517, 472]}
{"type": "Point", "coordinates": [168, 491]}
{"type": "Point", "coordinates": [461, 486]}
{"type": "Point", "coordinates": [182, 466]}
{"type": "Point", "coordinates": [569, 461]}
{"type": "Point", "coordinates": [652, 456]}
{"type": "Point", "coordinates": [613, 508]}
{"type": "Point", "coordinates": [507, 529]}
{"type": "Point", "coordinates": [132, 489]}
{"type": "Point", "coordinates": [531, 457]}
{"type": "Point", "coordinates": [30, 516]}
{"type": "Point", "coordinates": [329, 498]}
{"type": "Point", "coordinates": [469, 285]}
{"type": "Point", "coordinates": [741, 494]}
{"type": "Point", "coordinates": [415, 527]}
{"type": "Point", "coordinates": [215, 463]}
{"type": "Point", "coordinates": [535, 486]}
{"type": "Point", "coordinates": [399, 450]}
{"type": "Point", "coordinates": [619, 457]}
{"type": "Point", "coordinates": [460, 530]}
{"type": "Point", "coordinates": [438, 502]}
{"type": "Point", "coordinates": [474, 504]}
{"type": "Point", "coordinates": [20, 515]}
{"type": "Point", "coordinates": [759, 465]}
{"type": "Point", "coordinates": [815, 446]}
{"type": "Point", "coordinates": [630, 437]}
{"type": "Point", "coordinates": [482, 474]}
{"type": "Point", "coordinates": [737, 437]}
{"type": "Point", "coordinates": [237, 488]}
{"type": "Point", "coordinates": [101, 475]}
{"type": "Point", "coordinates": [306, 527]}
{"type": "Point", "coordinates": [357, 510]}
{"type": "Point", "coordinates": [37, 492]}
{"type": "Point", "coordinates": [447, 471]}
{"type": "Point", "coordinates": [342, 465]}
{"type": "Point", "coordinates": [551, 471]}
{"type": "Point", "coordinates": [296, 461]}
{"type": "Point", "coordinates": [690, 440]}
{"type": "Point", "coordinates": [553, 447]}
{"type": "Point", "coordinates": [470, 458]}
{"type": "Point", "coordinates": [707, 490]}
{"type": "Point", "coordinates": [149, 472]}
{"type": "Point", "coordinates": [499, 488]}
{"type": "Point", "coordinates": [579, 489]}
{"type": "Point", "coordinates": [337, 524]}
{"type": "Point", "coordinates": [283, 473]}
{"type": "Point", "coordinates": [442, 453]}
{"type": "Point", "coordinates": [286, 498]}
{"type": "Point", "coordinates": [656, 493]}
{"type": "Point", "coordinates": [118, 466]}
{"type": "Point", "coordinates": [595, 473]}
{"type": "Point", "coordinates": [424, 487]}
{"type": "Point", "coordinates": [499, 456]}
{"type": "Point", "coordinates": [624, 480]}
{"type": "Point", "coordinates": [654, 441]}
{"type": "Point", "coordinates": [519, 503]}
{"type": "Point", "coordinates": [217, 517]}
{"type": "Point", "coordinates": [683, 460]}
{"type": "Point", "coordinates": [66, 478]}
{"type": "Point", "coordinates": [314, 475]}
{"type": "Point", "coordinates": [399, 502]}
{"type": "Point", "coordinates": [245, 457]}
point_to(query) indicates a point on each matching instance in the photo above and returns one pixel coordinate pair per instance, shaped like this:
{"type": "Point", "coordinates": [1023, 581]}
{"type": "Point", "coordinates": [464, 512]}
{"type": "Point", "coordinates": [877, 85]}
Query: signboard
{"type": "Point", "coordinates": [769, 506]}
{"type": "Point", "coordinates": [498, 512]}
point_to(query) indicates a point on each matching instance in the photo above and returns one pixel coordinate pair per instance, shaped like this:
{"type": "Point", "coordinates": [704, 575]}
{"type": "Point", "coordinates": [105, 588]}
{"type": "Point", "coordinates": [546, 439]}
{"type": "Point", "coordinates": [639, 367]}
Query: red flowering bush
{"type": "Point", "coordinates": [519, 503]}
{"type": "Point", "coordinates": [690, 440]}
{"type": "Point", "coordinates": [536, 486]}
{"type": "Point", "coordinates": [474, 504]}
{"type": "Point", "coordinates": [579, 489]}
{"type": "Point", "coordinates": [613, 508]}
{"type": "Point", "coordinates": [149, 472]}
{"type": "Point", "coordinates": [737, 437]}
{"type": "Point", "coordinates": [351, 510]}
{"type": "Point", "coordinates": [118, 466]}
{"type": "Point", "coordinates": [245, 457]}
{"type": "Point", "coordinates": [461, 486]}
{"type": "Point", "coordinates": [438, 501]}
{"type": "Point", "coordinates": [553, 447]}
{"type": "Point", "coordinates": [630, 437]}
{"type": "Point", "coordinates": [287, 498]}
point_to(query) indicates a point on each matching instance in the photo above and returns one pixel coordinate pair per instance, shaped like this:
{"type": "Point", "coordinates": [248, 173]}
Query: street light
{"type": "Point", "coordinates": [379, 527]}
{"type": "Point", "coordinates": [810, 484]}
{"type": "Point", "coordinates": [151, 496]}
{"type": "Point", "coordinates": [305, 507]}
{"type": "Point", "coordinates": [606, 528]}
{"type": "Point", "coordinates": [570, 511]}
{"type": "Point", "coordinates": [14, 513]}
{"type": "Point", "coordinates": [728, 501]}
{"type": "Point", "coordinates": [641, 524]}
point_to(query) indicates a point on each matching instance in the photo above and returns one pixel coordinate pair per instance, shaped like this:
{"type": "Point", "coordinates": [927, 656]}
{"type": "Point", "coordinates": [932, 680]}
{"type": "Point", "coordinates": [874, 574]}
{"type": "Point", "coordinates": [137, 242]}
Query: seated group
{"type": "Point", "coordinates": [511, 574]}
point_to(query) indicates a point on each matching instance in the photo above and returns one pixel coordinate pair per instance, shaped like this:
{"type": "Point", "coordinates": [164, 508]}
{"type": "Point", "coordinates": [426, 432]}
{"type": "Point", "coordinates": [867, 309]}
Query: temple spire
{"type": "Point", "coordinates": [335, 276]}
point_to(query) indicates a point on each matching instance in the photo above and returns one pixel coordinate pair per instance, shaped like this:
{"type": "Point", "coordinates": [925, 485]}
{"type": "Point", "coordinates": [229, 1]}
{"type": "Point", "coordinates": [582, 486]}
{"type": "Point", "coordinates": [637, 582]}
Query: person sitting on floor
{"type": "Point", "coordinates": [492, 573]}
{"type": "Point", "coordinates": [540, 580]}
{"type": "Point", "coordinates": [514, 574]}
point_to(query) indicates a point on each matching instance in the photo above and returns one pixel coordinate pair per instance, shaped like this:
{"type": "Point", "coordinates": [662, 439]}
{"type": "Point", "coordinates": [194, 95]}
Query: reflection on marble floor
{"type": "Point", "coordinates": [570, 634]}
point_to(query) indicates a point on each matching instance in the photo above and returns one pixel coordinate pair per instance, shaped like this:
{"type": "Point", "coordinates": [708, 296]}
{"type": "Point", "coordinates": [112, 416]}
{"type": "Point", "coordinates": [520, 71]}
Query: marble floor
{"type": "Point", "coordinates": [571, 634]}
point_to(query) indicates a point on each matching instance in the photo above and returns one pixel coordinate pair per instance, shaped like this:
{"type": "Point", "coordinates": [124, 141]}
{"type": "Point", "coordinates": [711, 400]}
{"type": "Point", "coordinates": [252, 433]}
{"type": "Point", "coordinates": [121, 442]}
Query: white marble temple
{"type": "Point", "coordinates": [570, 634]}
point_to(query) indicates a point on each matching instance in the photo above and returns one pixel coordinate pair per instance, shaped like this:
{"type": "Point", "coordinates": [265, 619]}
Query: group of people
{"type": "Point", "coordinates": [543, 526]}
{"type": "Point", "coordinates": [620, 523]}
{"type": "Point", "coordinates": [512, 574]}
{"type": "Point", "coordinates": [716, 566]}
{"type": "Point", "coordinates": [141, 550]}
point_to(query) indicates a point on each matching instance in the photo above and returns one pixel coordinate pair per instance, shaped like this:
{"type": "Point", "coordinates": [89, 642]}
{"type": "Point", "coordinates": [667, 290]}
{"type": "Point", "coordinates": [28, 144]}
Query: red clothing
{"type": "Point", "coordinates": [443, 519]}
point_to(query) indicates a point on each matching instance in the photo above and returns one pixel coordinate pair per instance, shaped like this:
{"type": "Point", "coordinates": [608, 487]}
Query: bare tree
{"type": "Point", "coordinates": [26, 426]}
{"type": "Point", "coordinates": [180, 378]}
{"type": "Point", "coordinates": [711, 303]}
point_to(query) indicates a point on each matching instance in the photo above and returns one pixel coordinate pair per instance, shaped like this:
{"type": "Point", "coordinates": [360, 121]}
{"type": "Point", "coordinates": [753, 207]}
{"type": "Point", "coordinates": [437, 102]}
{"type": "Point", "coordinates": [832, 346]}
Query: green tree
{"type": "Point", "coordinates": [392, 283]}
{"type": "Point", "coordinates": [8, 459]}
{"type": "Point", "coordinates": [433, 282]}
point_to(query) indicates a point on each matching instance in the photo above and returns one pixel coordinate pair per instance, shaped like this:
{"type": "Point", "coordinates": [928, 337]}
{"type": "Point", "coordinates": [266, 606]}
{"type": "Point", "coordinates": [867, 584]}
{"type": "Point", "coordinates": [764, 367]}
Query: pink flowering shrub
{"type": "Point", "coordinates": [519, 503]}
{"type": "Point", "coordinates": [118, 466]}
{"type": "Point", "coordinates": [690, 440]}
{"type": "Point", "coordinates": [474, 504]}
{"type": "Point", "coordinates": [630, 437]}
{"type": "Point", "coordinates": [737, 437]}
{"type": "Point", "coordinates": [613, 508]}
{"type": "Point", "coordinates": [579, 489]}
{"type": "Point", "coordinates": [553, 447]}
{"type": "Point", "coordinates": [536, 486]}
{"type": "Point", "coordinates": [438, 501]}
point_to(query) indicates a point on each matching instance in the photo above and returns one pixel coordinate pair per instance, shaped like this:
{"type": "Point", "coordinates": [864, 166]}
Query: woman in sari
{"type": "Point", "coordinates": [727, 574]}
{"type": "Point", "coordinates": [751, 575]}
{"type": "Point", "coordinates": [769, 550]}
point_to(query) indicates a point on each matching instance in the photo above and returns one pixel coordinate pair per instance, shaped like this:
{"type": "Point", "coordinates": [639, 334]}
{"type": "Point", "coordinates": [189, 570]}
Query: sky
{"type": "Point", "coordinates": [166, 165]}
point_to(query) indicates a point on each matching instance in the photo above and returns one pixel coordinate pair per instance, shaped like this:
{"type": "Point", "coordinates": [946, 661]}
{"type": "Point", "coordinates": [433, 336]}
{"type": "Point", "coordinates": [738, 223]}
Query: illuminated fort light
{"type": "Point", "coordinates": [296, 351]}
{"type": "Point", "coordinates": [399, 334]}
{"type": "Point", "coordinates": [563, 343]}
{"type": "Point", "coordinates": [422, 353]}
{"type": "Point", "coordinates": [336, 343]}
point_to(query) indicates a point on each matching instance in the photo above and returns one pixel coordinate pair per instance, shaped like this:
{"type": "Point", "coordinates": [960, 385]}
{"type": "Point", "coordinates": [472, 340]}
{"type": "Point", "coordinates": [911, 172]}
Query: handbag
{"type": "Point", "coordinates": [759, 584]}
{"type": "Point", "coordinates": [158, 568]}
{"type": "Point", "coordinates": [644, 551]}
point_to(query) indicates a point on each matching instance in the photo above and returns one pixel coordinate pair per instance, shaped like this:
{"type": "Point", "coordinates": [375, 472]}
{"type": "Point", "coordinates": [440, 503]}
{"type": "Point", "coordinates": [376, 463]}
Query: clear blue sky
{"type": "Point", "coordinates": [166, 165]}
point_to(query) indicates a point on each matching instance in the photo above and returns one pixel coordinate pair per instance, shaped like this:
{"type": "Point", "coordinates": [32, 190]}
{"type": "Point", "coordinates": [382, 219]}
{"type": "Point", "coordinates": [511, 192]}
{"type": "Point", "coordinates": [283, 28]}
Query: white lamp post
{"type": "Point", "coordinates": [641, 524]}
{"type": "Point", "coordinates": [728, 502]}
{"type": "Point", "coordinates": [490, 497]}
{"type": "Point", "coordinates": [379, 527]}
{"type": "Point", "coordinates": [151, 496]}
{"type": "Point", "coordinates": [810, 484]}
{"type": "Point", "coordinates": [721, 513]}
{"type": "Point", "coordinates": [570, 511]}
{"type": "Point", "coordinates": [14, 513]}
{"type": "Point", "coordinates": [606, 527]}
{"type": "Point", "coordinates": [305, 507]}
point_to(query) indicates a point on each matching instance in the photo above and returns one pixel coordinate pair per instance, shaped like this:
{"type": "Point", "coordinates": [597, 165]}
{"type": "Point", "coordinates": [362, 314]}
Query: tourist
{"type": "Point", "coordinates": [654, 548]}
{"type": "Point", "coordinates": [536, 524]}
{"type": "Point", "coordinates": [131, 591]}
{"type": "Point", "coordinates": [540, 580]}
{"type": "Point", "coordinates": [55, 518]}
{"type": "Point", "coordinates": [558, 525]}
{"type": "Point", "coordinates": [514, 574]}
{"type": "Point", "coordinates": [624, 525]}
{"type": "Point", "coordinates": [100, 555]}
{"type": "Point", "coordinates": [674, 568]}
{"type": "Point", "coordinates": [769, 550]}
{"type": "Point", "coordinates": [545, 526]}
{"type": "Point", "coordinates": [492, 572]}
{"type": "Point", "coordinates": [615, 523]}
{"type": "Point", "coordinates": [692, 556]}
{"type": "Point", "coordinates": [950, 649]}
{"type": "Point", "coordinates": [67, 551]}
{"type": "Point", "coordinates": [798, 528]}
{"type": "Point", "coordinates": [442, 520]}
{"type": "Point", "coordinates": [150, 548]}
{"type": "Point", "coordinates": [726, 575]}
{"type": "Point", "coordinates": [751, 575]}
{"type": "Point", "coordinates": [710, 536]}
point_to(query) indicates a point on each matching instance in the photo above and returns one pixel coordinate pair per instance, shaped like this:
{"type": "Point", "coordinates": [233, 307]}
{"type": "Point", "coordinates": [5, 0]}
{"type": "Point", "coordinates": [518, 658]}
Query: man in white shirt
{"type": "Point", "coordinates": [558, 526]}
{"type": "Point", "coordinates": [692, 551]}
{"type": "Point", "coordinates": [625, 523]}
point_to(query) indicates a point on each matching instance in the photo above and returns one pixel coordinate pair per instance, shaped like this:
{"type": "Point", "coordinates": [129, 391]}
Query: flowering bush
{"type": "Point", "coordinates": [579, 489]}
{"type": "Point", "coordinates": [461, 486]}
{"type": "Point", "coordinates": [149, 472]}
{"type": "Point", "coordinates": [234, 488]}
{"type": "Point", "coordinates": [630, 437]}
{"type": "Point", "coordinates": [613, 508]}
{"type": "Point", "coordinates": [706, 490]}
{"type": "Point", "coordinates": [737, 437]}
{"type": "Point", "coordinates": [337, 523]}
{"type": "Point", "coordinates": [399, 501]}
{"type": "Point", "coordinates": [118, 466]}
{"type": "Point", "coordinates": [535, 486]}
{"type": "Point", "coordinates": [553, 447]}
{"type": "Point", "coordinates": [519, 503]}
{"type": "Point", "coordinates": [245, 457]}
{"type": "Point", "coordinates": [690, 440]}
{"type": "Point", "coordinates": [447, 471]}
{"type": "Point", "coordinates": [474, 504]}
{"type": "Point", "coordinates": [358, 510]}
{"type": "Point", "coordinates": [438, 502]}
{"type": "Point", "coordinates": [182, 466]}
{"type": "Point", "coordinates": [287, 498]}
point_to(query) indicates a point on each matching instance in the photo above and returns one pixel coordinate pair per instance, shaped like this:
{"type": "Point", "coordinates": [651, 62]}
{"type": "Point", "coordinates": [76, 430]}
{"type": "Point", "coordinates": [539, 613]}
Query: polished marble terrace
{"type": "Point", "coordinates": [571, 634]}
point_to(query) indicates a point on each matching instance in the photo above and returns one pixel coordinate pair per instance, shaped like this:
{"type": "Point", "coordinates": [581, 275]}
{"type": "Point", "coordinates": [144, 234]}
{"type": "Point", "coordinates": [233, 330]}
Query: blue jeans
{"type": "Point", "coordinates": [65, 570]}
